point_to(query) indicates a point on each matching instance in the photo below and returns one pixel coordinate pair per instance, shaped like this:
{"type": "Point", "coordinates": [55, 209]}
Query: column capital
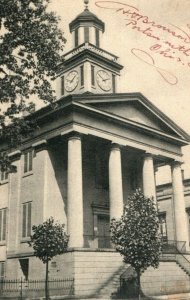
{"type": "Point", "coordinates": [40, 145]}
{"type": "Point", "coordinates": [148, 155]}
{"type": "Point", "coordinates": [115, 146]}
{"type": "Point", "coordinates": [176, 163]}
{"type": "Point", "coordinates": [74, 135]}
{"type": "Point", "coordinates": [15, 155]}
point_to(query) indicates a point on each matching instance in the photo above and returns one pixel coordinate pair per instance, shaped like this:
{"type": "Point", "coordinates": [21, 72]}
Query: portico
{"type": "Point", "coordinates": [126, 165]}
{"type": "Point", "coordinates": [84, 159]}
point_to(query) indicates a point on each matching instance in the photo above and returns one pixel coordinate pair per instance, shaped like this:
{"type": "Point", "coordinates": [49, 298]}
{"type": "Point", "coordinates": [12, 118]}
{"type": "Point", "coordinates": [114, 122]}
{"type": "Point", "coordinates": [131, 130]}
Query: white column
{"type": "Point", "coordinates": [93, 40]}
{"type": "Point", "coordinates": [115, 182]}
{"type": "Point", "coordinates": [75, 192]}
{"type": "Point", "coordinates": [180, 217]}
{"type": "Point", "coordinates": [149, 187]}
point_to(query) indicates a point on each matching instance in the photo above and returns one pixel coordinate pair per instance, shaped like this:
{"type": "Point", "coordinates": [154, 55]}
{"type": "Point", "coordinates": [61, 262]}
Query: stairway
{"type": "Point", "coordinates": [112, 286]}
{"type": "Point", "coordinates": [169, 278]}
{"type": "Point", "coordinates": [172, 277]}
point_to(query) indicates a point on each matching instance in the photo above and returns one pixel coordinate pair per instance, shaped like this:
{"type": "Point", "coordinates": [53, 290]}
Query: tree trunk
{"type": "Point", "coordinates": [139, 283]}
{"type": "Point", "coordinates": [46, 282]}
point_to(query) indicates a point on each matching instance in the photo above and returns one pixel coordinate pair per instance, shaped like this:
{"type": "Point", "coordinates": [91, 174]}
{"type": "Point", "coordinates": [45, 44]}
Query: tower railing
{"type": "Point", "coordinates": [91, 47]}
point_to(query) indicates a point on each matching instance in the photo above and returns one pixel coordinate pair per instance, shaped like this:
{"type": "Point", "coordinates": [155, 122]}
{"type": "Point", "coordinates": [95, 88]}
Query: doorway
{"type": "Point", "coordinates": [103, 231]}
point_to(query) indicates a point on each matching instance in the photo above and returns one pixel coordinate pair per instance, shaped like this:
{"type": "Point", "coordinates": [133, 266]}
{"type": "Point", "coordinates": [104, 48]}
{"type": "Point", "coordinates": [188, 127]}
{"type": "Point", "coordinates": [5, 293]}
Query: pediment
{"type": "Point", "coordinates": [138, 110]}
{"type": "Point", "coordinates": [134, 111]}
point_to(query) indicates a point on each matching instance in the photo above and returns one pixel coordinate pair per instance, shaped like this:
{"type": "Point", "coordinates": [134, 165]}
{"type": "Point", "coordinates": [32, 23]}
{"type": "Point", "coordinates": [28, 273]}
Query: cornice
{"type": "Point", "coordinates": [87, 54]}
{"type": "Point", "coordinates": [72, 103]}
{"type": "Point", "coordinates": [122, 97]}
{"type": "Point", "coordinates": [134, 124]}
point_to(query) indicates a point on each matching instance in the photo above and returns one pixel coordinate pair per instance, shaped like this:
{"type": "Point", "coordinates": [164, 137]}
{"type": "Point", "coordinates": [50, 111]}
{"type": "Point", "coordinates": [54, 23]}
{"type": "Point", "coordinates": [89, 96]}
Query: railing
{"type": "Point", "coordinates": [172, 246]}
{"type": "Point", "coordinates": [97, 241]}
{"type": "Point", "coordinates": [183, 262]}
{"type": "Point", "coordinates": [128, 286]}
{"type": "Point", "coordinates": [92, 48]}
{"type": "Point", "coordinates": [20, 287]}
{"type": "Point", "coordinates": [179, 249]}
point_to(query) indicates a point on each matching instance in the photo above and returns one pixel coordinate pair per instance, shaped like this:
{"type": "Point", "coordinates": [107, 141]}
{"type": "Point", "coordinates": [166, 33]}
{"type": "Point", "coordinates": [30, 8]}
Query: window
{"type": "Point", "coordinates": [82, 75]}
{"type": "Point", "coordinates": [26, 219]}
{"type": "Point", "coordinates": [62, 85]}
{"type": "Point", "coordinates": [3, 224]}
{"type": "Point", "coordinates": [76, 37]}
{"type": "Point", "coordinates": [86, 34]}
{"type": "Point", "coordinates": [4, 175]}
{"type": "Point", "coordinates": [163, 227]}
{"type": "Point", "coordinates": [28, 157]}
{"type": "Point", "coordinates": [92, 76]}
{"type": "Point", "coordinates": [97, 38]}
{"type": "Point", "coordinates": [24, 264]}
{"type": "Point", "coordinates": [2, 270]}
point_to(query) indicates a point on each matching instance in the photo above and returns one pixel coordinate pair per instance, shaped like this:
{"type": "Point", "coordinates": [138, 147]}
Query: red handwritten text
{"type": "Point", "coordinates": [170, 41]}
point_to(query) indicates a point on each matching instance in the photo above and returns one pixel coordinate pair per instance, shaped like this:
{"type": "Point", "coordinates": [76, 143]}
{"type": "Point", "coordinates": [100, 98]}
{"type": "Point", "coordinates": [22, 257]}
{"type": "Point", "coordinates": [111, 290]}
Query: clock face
{"type": "Point", "coordinates": [71, 81]}
{"type": "Point", "coordinates": [103, 79]}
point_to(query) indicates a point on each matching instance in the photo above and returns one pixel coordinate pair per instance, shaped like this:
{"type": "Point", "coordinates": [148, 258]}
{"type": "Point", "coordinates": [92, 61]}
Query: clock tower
{"type": "Point", "coordinates": [87, 67]}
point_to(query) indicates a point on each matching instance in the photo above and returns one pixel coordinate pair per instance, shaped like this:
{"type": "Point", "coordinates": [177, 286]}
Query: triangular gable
{"type": "Point", "coordinates": [136, 108]}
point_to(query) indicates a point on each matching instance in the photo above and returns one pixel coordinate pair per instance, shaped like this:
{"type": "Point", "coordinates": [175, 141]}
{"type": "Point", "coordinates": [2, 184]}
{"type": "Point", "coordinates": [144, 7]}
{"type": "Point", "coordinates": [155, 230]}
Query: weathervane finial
{"type": "Point", "coordinates": [86, 3]}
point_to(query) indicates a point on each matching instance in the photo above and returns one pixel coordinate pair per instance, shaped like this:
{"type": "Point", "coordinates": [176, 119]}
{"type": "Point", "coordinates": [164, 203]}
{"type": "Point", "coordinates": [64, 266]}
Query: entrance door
{"type": "Point", "coordinates": [103, 232]}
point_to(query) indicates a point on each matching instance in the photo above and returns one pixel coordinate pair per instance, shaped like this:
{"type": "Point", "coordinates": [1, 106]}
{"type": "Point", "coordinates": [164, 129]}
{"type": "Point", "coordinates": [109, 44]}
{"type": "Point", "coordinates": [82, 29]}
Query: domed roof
{"type": "Point", "coordinates": [86, 16]}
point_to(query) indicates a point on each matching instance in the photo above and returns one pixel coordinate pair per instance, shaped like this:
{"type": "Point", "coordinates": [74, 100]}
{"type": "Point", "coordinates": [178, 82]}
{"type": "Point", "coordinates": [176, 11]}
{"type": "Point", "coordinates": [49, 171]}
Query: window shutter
{"type": "Point", "coordinates": [25, 162]}
{"type": "Point", "coordinates": [4, 215]}
{"type": "Point", "coordinates": [24, 221]}
{"type": "Point", "coordinates": [29, 219]}
{"type": "Point", "coordinates": [2, 270]}
{"type": "Point", "coordinates": [30, 160]}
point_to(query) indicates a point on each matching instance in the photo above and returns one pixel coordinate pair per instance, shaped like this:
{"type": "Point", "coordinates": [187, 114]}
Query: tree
{"type": "Point", "coordinates": [31, 46]}
{"type": "Point", "coordinates": [136, 234]}
{"type": "Point", "coordinates": [48, 240]}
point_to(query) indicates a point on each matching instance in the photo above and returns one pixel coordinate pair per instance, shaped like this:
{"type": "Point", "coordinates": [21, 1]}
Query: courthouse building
{"type": "Point", "coordinates": [87, 156]}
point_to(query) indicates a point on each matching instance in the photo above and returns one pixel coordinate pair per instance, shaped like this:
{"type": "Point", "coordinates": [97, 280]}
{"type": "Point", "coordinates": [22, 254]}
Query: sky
{"type": "Point", "coordinates": [152, 40]}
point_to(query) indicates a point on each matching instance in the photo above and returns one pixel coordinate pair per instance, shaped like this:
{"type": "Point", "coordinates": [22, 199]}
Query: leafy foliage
{"type": "Point", "coordinates": [136, 234]}
{"type": "Point", "coordinates": [31, 46]}
{"type": "Point", "coordinates": [48, 240]}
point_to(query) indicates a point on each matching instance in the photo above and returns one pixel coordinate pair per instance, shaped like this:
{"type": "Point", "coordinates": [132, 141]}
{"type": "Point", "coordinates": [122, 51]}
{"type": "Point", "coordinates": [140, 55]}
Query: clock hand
{"type": "Point", "coordinates": [101, 76]}
{"type": "Point", "coordinates": [73, 78]}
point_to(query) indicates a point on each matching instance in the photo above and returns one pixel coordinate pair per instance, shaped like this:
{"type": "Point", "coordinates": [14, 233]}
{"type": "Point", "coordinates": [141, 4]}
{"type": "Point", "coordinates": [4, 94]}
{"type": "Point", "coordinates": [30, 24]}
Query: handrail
{"type": "Point", "coordinates": [93, 48]}
{"type": "Point", "coordinates": [185, 263]}
{"type": "Point", "coordinates": [176, 244]}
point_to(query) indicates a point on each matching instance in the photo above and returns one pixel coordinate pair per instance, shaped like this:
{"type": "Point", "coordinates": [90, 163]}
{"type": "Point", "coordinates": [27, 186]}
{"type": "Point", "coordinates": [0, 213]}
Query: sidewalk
{"type": "Point", "coordinates": [184, 296]}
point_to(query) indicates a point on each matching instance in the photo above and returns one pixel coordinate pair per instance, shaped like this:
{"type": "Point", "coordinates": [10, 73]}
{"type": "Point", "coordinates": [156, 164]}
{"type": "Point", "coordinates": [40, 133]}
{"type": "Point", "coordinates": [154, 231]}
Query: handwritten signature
{"type": "Point", "coordinates": [172, 42]}
{"type": "Point", "coordinates": [148, 59]}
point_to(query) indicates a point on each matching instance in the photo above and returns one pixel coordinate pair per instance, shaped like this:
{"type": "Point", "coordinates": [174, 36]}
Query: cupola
{"type": "Point", "coordinates": [86, 28]}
